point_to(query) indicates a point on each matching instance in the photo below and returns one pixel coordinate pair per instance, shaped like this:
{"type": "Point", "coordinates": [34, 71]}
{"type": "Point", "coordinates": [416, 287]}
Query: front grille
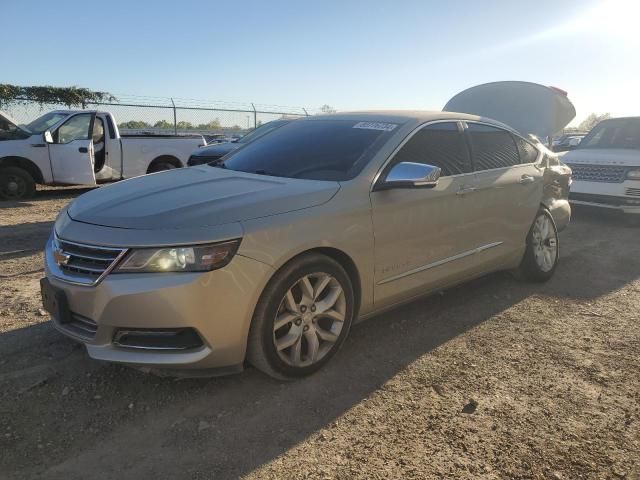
{"type": "Point", "coordinates": [598, 173]}
{"type": "Point", "coordinates": [632, 192]}
{"type": "Point", "coordinates": [604, 199]}
{"type": "Point", "coordinates": [80, 326]}
{"type": "Point", "coordinates": [86, 263]}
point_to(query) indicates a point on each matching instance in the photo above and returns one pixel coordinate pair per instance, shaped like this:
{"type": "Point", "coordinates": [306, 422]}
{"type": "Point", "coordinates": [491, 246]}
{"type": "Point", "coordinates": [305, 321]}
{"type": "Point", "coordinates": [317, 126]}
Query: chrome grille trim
{"type": "Point", "coordinates": [87, 264]}
{"type": "Point", "coordinates": [598, 173]}
{"type": "Point", "coordinates": [632, 192]}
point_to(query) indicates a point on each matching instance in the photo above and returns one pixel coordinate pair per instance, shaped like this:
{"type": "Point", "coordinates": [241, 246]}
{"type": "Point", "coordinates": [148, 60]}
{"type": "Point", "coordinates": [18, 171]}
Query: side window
{"type": "Point", "coordinates": [492, 147]}
{"type": "Point", "coordinates": [528, 153]}
{"type": "Point", "coordinates": [441, 145]}
{"type": "Point", "coordinates": [76, 128]}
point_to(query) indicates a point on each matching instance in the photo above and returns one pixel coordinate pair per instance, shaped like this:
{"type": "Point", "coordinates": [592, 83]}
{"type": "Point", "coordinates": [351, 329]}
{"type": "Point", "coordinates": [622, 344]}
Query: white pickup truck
{"type": "Point", "coordinates": [81, 147]}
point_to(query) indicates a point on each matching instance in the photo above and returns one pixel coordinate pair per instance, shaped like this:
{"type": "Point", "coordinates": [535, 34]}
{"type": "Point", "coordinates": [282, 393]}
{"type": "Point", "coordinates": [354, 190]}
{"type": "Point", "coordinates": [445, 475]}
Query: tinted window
{"type": "Point", "coordinates": [313, 149]}
{"type": "Point", "coordinates": [624, 133]}
{"type": "Point", "coordinates": [440, 144]}
{"type": "Point", "coordinates": [528, 153]}
{"type": "Point", "coordinates": [261, 130]}
{"type": "Point", "coordinates": [492, 147]}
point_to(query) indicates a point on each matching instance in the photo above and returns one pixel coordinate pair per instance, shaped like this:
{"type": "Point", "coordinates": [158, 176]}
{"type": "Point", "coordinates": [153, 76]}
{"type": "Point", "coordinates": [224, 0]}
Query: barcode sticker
{"type": "Point", "coordinates": [386, 127]}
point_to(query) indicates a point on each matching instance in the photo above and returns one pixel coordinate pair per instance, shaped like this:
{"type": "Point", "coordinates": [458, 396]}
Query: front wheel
{"type": "Point", "coordinates": [16, 183]}
{"type": "Point", "coordinates": [302, 317]}
{"type": "Point", "coordinates": [541, 256]}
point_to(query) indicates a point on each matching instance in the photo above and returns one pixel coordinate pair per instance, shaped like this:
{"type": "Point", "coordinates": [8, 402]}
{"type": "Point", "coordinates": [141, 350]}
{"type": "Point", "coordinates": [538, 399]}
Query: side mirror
{"type": "Point", "coordinates": [47, 137]}
{"type": "Point", "coordinates": [410, 175]}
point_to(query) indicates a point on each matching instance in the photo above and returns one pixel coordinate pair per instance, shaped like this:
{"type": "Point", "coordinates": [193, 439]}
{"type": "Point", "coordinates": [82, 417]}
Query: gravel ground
{"type": "Point", "coordinates": [493, 379]}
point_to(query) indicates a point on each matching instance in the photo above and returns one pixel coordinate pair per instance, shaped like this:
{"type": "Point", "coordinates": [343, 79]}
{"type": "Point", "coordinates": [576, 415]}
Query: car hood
{"type": "Point", "coordinates": [603, 156]}
{"type": "Point", "coordinates": [527, 107]}
{"type": "Point", "coordinates": [196, 197]}
{"type": "Point", "coordinates": [217, 150]}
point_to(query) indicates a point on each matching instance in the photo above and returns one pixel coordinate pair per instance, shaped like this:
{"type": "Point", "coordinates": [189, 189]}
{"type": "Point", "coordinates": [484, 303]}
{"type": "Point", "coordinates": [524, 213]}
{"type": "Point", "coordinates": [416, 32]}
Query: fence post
{"type": "Point", "coordinates": [175, 120]}
{"type": "Point", "coordinates": [305, 111]}
{"type": "Point", "coordinates": [255, 116]}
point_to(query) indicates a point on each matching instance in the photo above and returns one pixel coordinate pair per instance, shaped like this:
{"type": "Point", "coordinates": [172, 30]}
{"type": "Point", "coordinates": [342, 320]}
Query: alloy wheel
{"type": "Point", "coordinates": [309, 319]}
{"type": "Point", "coordinates": [545, 243]}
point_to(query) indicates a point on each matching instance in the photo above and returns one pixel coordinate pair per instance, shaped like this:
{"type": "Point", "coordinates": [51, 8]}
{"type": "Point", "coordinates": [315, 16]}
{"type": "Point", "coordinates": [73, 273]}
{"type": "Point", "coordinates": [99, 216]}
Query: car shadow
{"type": "Point", "coordinates": [44, 194]}
{"type": "Point", "coordinates": [23, 239]}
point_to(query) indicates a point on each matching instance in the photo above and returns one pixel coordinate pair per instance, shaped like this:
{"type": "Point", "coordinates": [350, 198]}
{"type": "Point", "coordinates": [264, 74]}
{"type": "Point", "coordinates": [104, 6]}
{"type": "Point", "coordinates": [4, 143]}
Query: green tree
{"type": "Point", "coordinates": [163, 124]}
{"type": "Point", "coordinates": [69, 96]}
{"type": "Point", "coordinates": [212, 125]}
{"type": "Point", "coordinates": [592, 120]}
{"type": "Point", "coordinates": [182, 125]}
{"type": "Point", "coordinates": [134, 124]}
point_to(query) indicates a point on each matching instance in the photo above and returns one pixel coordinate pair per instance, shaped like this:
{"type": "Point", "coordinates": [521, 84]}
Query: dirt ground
{"type": "Point", "coordinates": [493, 379]}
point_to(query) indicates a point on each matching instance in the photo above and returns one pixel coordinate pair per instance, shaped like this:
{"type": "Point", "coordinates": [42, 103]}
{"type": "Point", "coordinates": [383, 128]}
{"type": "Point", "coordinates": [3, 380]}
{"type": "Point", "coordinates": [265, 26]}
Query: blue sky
{"type": "Point", "coordinates": [349, 54]}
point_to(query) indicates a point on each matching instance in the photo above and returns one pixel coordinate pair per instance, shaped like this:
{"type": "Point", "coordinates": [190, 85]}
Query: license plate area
{"type": "Point", "coordinates": [54, 301]}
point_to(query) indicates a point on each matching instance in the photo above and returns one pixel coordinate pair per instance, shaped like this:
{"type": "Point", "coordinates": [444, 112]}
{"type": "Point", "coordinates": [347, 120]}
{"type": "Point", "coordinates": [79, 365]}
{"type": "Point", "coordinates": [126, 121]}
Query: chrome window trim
{"type": "Point", "coordinates": [438, 263]}
{"type": "Point", "coordinates": [409, 137]}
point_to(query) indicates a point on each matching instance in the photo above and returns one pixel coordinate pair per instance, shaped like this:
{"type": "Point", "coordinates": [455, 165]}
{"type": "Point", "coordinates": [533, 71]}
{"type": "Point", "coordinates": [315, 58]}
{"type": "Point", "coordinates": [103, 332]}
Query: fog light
{"type": "Point", "coordinates": [158, 339]}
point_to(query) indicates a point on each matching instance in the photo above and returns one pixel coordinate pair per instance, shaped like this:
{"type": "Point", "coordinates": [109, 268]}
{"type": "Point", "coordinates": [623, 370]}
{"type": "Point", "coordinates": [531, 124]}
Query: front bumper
{"type": "Point", "coordinates": [218, 305]}
{"type": "Point", "coordinates": [623, 197]}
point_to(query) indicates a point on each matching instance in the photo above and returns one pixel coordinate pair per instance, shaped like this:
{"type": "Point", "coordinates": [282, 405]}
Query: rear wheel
{"type": "Point", "coordinates": [541, 256]}
{"type": "Point", "coordinates": [302, 318]}
{"type": "Point", "coordinates": [163, 163]}
{"type": "Point", "coordinates": [16, 183]}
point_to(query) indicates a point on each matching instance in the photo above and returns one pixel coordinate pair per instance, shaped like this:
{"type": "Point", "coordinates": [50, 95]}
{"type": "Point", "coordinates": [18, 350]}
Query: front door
{"type": "Point", "coordinates": [424, 237]}
{"type": "Point", "coordinates": [71, 152]}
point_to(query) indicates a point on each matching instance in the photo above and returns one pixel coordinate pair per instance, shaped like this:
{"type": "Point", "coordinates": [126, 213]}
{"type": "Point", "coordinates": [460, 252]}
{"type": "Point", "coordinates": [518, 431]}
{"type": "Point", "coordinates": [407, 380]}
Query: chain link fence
{"type": "Point", "coordinates": [177, 116]}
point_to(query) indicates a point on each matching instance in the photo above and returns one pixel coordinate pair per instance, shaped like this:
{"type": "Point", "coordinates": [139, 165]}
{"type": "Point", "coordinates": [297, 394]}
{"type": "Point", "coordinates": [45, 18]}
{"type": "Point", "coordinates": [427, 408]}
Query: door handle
{"type": "Point", "coordinates": [526, 179]}
{"type": "Point", "coordinates": [83, 150]}
{"type": "Point", "coordinates": [38, 144]}
{"type": "Point", "coordinates": [462, 190]}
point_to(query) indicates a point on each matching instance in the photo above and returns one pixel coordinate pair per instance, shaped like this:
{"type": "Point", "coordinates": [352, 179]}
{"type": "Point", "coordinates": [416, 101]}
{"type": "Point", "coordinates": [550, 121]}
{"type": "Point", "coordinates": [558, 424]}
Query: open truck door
{"type": "Point", "coordinates": [71, 150]}
{"type": "Point", "coordinates": [527, 107]}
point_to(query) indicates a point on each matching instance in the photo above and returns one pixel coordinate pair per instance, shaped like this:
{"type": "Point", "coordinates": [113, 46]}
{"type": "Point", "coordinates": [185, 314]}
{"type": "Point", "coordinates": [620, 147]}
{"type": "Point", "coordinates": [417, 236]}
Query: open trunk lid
{"type": "Point", "coordinates": [527, 107]}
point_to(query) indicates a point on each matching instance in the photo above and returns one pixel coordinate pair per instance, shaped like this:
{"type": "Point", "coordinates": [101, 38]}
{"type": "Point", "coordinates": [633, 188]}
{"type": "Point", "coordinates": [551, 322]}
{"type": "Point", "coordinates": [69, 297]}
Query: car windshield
{"type": "Point", "coordinates": [623, 133]}
{"type": "Point", "coordinates": [313, 149]}
{"type": "Point", "coordinates": [46, 121]}
{"type": "Point", "coordinates": [260, 131]}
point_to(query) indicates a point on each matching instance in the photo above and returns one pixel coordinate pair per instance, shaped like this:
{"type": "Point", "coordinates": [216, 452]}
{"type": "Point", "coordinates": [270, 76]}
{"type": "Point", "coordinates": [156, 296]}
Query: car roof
{"type": "Point", "coordinates": [404, 116]}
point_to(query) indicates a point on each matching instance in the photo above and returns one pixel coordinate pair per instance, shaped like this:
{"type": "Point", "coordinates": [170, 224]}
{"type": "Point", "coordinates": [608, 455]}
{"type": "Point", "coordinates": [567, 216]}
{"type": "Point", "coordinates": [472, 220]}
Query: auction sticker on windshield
{"type": "Point", "coordinates": [386, 127]}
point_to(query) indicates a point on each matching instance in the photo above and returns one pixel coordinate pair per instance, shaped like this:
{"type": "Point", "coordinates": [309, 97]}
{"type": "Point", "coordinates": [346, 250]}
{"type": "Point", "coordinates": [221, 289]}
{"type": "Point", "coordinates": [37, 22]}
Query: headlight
{"type": "Point", "coordinates": [194, 258]}
{"type": "Point", "coordinates": [633, 174]}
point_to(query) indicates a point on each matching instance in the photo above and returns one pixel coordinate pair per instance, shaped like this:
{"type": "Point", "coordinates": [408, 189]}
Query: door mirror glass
{"type": "Point", "coordinates": [411, 175]}
{"type": "Point", "coordinates": [47, 137]}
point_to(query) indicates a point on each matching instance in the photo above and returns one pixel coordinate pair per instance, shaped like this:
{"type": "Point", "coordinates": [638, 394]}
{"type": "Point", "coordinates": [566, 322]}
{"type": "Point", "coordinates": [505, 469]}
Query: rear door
{"type": "Point", "coordinates": [509, 184]}
{"type": "Point", "coordinates": [426, 236]}
{"type": "Point", "coordinates": [71, 152]}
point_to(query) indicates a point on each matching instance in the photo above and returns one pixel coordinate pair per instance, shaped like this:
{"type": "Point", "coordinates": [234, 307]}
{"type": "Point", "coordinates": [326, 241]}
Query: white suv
{"type": "Point", "coordinates": [606, 166]}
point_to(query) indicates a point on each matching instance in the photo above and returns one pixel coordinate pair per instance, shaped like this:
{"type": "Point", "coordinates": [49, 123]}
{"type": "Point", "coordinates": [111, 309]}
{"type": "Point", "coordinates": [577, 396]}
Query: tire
{"type": "Point", "coordinates": [541, 256]}
{"type": "Point", "coordinates": [301, 317]}
{"type": "Point", "coordinates": [161, 165]}
{"type": "Point", "coordinates": [16, 184]}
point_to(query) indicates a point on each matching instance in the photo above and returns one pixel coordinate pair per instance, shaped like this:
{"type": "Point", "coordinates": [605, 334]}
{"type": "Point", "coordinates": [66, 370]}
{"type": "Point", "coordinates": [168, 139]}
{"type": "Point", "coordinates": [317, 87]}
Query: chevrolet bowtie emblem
{"type": "Point", "coordinates": [60, 257]}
